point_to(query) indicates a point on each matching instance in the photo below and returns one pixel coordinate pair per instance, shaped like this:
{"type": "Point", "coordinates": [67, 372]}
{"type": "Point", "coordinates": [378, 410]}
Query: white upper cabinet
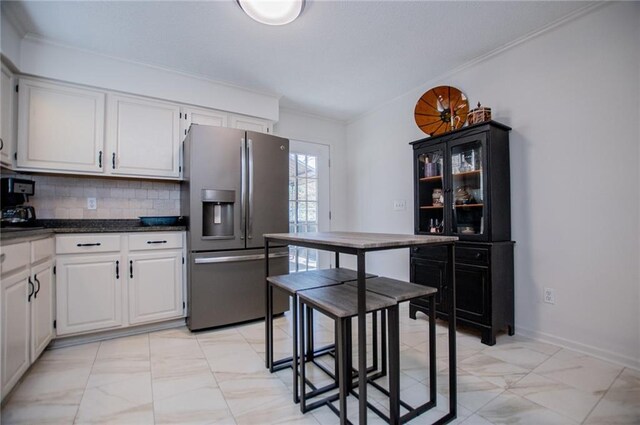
{"type": "Point", "coordinates": [201, 116]}
{"type": "Point", "coordinates": [143, 137]}
{"type": "Point", "coordinates": [7, 118]}
{"type": "Point", "coordinates": [250, 123]}
{"type": "Point", "coordinates": [60, 127]}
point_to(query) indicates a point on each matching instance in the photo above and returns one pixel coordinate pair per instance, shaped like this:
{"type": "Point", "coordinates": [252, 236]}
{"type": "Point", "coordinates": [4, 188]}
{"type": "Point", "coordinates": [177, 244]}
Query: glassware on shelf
{"type": "Point", "coordinates": [437, 197]}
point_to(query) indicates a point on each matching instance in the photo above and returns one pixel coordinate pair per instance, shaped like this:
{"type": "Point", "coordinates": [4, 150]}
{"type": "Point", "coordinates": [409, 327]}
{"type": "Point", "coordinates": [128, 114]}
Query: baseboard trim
{"type": "Point", "coordinates": [610, 356]}
{"type": "Point", "coordinates": [69, 341]}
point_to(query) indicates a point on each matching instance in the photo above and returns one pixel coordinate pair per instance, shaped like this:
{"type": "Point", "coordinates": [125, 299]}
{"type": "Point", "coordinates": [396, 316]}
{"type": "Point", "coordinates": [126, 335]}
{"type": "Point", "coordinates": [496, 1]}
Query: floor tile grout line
{"type": "Point", "coordinates": [604, 393]}
{"type": "Point", "coordinates": [213, 375]}
{"type": "Point", "coordinates": [95, 357]}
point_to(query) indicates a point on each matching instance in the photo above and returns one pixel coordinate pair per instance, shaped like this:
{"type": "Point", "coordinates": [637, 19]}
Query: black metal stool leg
{"type": "Point", "coordinates": [433, 369]}
{"type": "Point", "coordinates": [309, 328]}
{"type": "Point", "coordinates": [343, 368]}
{"type": "Point", "coordinates": [294, 357]}
{"type": "Point", "coordinates": [301, 341]}
{"type": "Point", "coordinates": [269, 325]}
{"type": "Point", "coordinates": [394, 365]}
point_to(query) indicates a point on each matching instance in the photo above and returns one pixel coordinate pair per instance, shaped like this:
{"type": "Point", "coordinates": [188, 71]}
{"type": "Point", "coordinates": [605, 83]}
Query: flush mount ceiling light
{"type": "Point", "coordinates": [272, 12]}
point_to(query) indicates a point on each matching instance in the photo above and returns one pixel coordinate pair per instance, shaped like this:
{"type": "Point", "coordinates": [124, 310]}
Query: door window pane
{"type": "Point", "coordinates": [303, 208]}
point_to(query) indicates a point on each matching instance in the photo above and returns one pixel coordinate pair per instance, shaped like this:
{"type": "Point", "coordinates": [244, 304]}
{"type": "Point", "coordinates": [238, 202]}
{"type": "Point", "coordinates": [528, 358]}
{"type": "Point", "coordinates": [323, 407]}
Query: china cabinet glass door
{"type": "Point", "coordinates": [430, 196]}
{"type": "Point", "coordinates": [468, 185]}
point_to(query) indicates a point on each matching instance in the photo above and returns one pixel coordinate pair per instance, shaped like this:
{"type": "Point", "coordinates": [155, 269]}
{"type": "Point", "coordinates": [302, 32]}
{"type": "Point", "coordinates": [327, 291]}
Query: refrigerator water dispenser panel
{"type": "Point", "coordinates": [217, 213]}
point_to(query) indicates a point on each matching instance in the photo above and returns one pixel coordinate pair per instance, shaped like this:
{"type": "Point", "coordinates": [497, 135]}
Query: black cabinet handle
{"type": "Point", "coordinates": [131, 269]}
{"type": "Point", "coordinates": [117, 269]}
{"type": "Point", "coordinates": [31, 290]}
{"type": "Point", "coordinates": [113, 161]}
{"type": "Point", "coordinates": [478, 255]}
{"type": "Point", "coordinates": [89, 244]}
{"type": "Point", "coordinates": [35, 294]}
{"type": "Point", "coordinates": [1, 143]}
{"type": "Point", "coordinates": [100, 159]}
{"type": "Point", "coordinates": [150, 242]}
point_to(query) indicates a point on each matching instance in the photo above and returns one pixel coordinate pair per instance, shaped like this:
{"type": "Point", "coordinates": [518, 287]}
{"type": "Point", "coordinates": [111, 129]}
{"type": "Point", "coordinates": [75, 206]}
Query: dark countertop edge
{"type": "Point", "coordinates": [31, 233]}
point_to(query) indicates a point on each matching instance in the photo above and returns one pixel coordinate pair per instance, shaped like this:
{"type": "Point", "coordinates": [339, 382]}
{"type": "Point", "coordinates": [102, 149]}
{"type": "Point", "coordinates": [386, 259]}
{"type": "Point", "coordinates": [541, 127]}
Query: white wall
{"type": "Point", "coordinates": [572, 96]}
{"type": "Point", "coordinates": [9, 39]}
{"type": "Point", "coordinates": [311, 128]}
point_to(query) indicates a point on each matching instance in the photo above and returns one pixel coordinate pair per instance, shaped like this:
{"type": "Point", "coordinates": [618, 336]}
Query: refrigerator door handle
{"type": "Point", "coordinates": [250, 206]}
{"type": "Point", "coordinates": [243, 188]}
{"type": "Point", "coordinates": [236, 258]}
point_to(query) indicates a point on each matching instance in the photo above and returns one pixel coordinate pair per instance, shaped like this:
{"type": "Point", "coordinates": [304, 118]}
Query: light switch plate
{"type": "Point", "coordinates": [92, 204]}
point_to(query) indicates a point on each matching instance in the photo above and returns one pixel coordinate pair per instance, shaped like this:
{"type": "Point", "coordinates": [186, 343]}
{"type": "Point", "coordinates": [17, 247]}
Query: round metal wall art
{"type": "Point", "coordinates": [441, 109]}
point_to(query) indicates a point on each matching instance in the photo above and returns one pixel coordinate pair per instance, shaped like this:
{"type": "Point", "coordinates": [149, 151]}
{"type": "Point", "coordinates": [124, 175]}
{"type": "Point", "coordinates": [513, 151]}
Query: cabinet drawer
{"type": "Point", "coordinates": [146, 241]}
{"type": "Point", "coordinates": [15, 257]}
{"type": "Point", "coordinates": [75, 244]}
{"type": "Point", "coordinates": [42, 249]}
{"type": "Point", "coordinates": [472, 255]}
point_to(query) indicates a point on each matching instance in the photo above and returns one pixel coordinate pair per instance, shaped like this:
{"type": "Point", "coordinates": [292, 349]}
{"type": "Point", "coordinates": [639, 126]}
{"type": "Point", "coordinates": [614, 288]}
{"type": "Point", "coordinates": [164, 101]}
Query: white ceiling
{"type": "Point", "coordinates": [339, 59]}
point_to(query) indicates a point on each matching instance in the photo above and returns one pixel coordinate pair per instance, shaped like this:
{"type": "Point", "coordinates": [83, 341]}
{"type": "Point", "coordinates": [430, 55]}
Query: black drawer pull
{"type": "Point", "coordinates": [131, 269]}
{"type": "Point", "coordinates": [89, 244]}
{"type": "Point", "coordinates": [35, 294]}
{"type": "Point", "coordinates": [478, 255]}
{"type": "Point", "coordinates": [150, 242]}
{"type": "Point", "coordinates": [117, 269]}
{"type": "Point", "coordinates": [32, 289]}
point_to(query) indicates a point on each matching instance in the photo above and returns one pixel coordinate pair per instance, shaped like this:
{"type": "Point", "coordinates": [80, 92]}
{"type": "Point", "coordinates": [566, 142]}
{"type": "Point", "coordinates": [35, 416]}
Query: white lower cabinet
{"type": "Point", "coordinates": [26, 306]}
{"type": "Point", "coordinates": [155, 286]}
{"type": "Point", "coordinates": [140, 281]}
{"type": "Point", "coordinates": [42, 331]}
{"type": "Point", "coordinates": [89, 293]}
{"type": "Point", "coordinates": [15, 329]}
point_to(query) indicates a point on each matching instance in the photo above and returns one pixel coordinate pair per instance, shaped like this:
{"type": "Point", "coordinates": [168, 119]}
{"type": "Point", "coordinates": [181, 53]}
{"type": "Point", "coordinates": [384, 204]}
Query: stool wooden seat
{"type": "Point", "coordinates": [340, 274]}
{"type": "Point", "coordinates": [397, 289]}
{"type": "Point", "coordinates": [340, 304]}
{"type": "Point", "coordinates": [402, 291]}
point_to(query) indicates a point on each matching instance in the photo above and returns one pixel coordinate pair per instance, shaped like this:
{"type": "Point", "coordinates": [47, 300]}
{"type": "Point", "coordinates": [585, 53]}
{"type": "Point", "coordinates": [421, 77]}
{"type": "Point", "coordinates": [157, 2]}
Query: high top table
{"type": "Point", "coordinates": [359, 244]}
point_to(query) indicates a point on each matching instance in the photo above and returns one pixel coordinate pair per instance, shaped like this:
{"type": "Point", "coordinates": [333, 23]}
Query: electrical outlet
{"type": "Point", "coordinates": [549, 296]}
{"type": "Point", "coordinates": [92, 204]}
{"type": "Point", "coordinates": [399, 205]}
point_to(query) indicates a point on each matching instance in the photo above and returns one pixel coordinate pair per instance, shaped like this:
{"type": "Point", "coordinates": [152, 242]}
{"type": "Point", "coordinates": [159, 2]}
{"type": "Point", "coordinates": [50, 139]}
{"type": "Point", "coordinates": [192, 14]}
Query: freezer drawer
{"type": "Point", "coordinates": [228, 287]}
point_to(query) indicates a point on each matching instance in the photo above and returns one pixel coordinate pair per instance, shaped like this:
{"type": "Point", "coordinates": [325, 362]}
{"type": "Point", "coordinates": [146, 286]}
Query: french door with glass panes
{"type": "Point", "coordinates": [308, 200]}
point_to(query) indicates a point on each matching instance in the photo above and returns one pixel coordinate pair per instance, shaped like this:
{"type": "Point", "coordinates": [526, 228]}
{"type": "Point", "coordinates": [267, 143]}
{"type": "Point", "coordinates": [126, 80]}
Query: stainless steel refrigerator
{"type": "Point", "coordinates": [235, 189]}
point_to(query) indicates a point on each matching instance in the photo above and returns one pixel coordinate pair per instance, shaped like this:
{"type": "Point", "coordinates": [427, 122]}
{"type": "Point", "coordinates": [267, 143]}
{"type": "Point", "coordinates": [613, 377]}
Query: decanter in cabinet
{"type": "Point", "coordinates": [461, 188]}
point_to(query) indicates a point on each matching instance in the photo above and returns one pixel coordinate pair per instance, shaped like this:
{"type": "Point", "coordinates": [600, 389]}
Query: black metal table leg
{"type": "Point", "coordinates": [294, 357]}
{"type": "Point", "coordinates": [267, 319]}
{"type": "Point", "coordinates": [362, 339]}
{"type": "Point", "coordinates": [394, 366]}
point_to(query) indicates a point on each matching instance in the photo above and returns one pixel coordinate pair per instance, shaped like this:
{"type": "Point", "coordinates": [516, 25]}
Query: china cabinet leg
{"type": "Point", "coordinates": [488, 337]}
{"type": "Point", "coordinates": [511, 330]}
{"type": "Point", "coordinates": [412, 312]}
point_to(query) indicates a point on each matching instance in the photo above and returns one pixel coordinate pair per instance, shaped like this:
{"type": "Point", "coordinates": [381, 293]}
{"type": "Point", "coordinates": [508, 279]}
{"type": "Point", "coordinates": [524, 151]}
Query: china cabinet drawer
{"type": "Point", "coordinates": [15, 257]}
{"type": "Point", "coordinates": [472, 255]}
{"type": "Point", "coordinates": [146, 241]}
{"type": "Point", "coordinates": [78, 244]}
{"type": "Point", "coordinates": [42, 249]}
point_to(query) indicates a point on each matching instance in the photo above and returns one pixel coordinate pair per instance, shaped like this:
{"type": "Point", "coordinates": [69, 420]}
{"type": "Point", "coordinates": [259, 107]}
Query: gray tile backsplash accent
{"type": "Point", "coordinates": [66, 197]}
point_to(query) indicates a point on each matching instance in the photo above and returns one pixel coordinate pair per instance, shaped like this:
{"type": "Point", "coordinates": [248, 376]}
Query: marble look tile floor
{"type": "Point", "coordinates": [218, 377]}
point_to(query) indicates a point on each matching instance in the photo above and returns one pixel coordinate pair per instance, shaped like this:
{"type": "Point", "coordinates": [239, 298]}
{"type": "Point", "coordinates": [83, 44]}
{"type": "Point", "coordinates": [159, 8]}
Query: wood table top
{"type": "Point", "coordinates": [359, 240]}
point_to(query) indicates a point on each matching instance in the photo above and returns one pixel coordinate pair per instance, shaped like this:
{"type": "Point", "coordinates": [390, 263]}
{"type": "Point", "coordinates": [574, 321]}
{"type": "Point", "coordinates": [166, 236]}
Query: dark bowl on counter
{"type": "Point", "coordinates": [170, 220]}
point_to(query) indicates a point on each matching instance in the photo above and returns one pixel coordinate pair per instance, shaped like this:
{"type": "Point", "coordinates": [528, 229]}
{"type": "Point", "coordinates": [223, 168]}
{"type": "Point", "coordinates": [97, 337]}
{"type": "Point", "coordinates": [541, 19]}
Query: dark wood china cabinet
{"type": "Point", "coordinates": [462, 188]}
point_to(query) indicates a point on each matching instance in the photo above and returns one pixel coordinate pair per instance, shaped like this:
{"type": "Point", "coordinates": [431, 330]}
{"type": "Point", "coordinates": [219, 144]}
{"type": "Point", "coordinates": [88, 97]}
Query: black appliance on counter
{"type": "Point", "coordinates": [14, 193]}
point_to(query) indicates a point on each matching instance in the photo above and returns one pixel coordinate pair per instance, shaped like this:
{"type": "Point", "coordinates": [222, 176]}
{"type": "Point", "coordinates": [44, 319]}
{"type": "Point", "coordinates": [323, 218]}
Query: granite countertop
{"type": "Point", "coordinates": [48, 227]}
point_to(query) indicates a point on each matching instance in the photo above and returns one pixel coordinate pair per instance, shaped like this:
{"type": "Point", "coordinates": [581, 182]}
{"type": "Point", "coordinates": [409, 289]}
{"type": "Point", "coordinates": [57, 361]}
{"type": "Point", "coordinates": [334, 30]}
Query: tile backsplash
{"type": "Point", "coordinates": [66, 197]}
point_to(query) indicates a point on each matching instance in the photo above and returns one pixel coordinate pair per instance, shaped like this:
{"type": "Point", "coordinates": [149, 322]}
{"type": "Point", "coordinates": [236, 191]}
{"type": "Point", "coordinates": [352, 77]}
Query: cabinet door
{"type": "Point", "coordinates": [41, 309]}
{"type": "Point", "coordinates": [473, 294]}
{"type": "Point", "coordinates": [202, 117]}
{"type": "Point", "coordinates": [155, 286]}
{"type": "Point", "coordinates": [7, 118]}
{"type": "Point", "coordinates": [469, 200]}
{"type": "Point", "coordinates": [143, 137]}
{"type": "Point", "coordinates": [431, 273]}
{"type": "Point", "coordinates": [430, 190]}
{"type": "Point", "coordinates": [60, 127]}
{"type": "Point", "coordinates": [89, 293]}
{"type": "Point", "coordinates": [15, 329]}
{"type": "Point", "coordinates": [250, 124]}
